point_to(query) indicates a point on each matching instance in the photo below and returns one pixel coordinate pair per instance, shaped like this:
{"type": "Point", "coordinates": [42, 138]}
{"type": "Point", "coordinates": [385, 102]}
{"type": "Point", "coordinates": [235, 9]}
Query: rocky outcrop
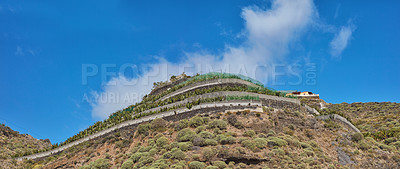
{"type": "Point", "coordinates": [343, 158]}
{"type": "Point", "coordinates": [164, 87]}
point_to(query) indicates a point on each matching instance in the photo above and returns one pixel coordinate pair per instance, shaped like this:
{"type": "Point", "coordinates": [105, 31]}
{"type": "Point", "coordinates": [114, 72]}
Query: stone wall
{"type": "Point", "coordinates": [208, 83]}
{"type": "Point", "coordinates": [270, 101]}
{"type": "Point", "coordinates": [341, 119]}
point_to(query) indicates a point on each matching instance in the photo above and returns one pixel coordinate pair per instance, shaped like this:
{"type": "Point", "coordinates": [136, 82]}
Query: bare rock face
{"type": "Point", "coordinates": [7, 131]}
{"type": "Point", "coordinates": [343, 158]}
{"type": "Point", "coordinates": [47, 141]}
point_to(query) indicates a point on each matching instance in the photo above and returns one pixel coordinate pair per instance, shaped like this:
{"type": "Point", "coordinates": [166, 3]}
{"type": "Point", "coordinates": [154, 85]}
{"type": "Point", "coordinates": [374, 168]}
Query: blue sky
{"type": "Point", "coordinates": [345, 51]}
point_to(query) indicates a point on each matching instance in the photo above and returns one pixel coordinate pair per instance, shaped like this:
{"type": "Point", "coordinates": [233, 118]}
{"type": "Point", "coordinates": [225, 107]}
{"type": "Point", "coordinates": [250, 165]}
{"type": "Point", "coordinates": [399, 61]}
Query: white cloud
{"type": "Point", "coordinates": [267, 33]}
{"type": "Point", "coordinates": [337, 11]}
{"type": "Point", "coordinates": [341, 40]}
{"type": "Point", "coordinates": [19, 51]}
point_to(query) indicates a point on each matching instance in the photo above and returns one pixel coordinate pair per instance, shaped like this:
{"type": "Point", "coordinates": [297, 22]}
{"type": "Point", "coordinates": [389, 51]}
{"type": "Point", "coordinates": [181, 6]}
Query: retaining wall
{"type": "Point", "coordinates": [341, 119]}
{"type": "Point", "coordinates": [207, 84]}
{"type": "Point", "coordinates": [268, 100]}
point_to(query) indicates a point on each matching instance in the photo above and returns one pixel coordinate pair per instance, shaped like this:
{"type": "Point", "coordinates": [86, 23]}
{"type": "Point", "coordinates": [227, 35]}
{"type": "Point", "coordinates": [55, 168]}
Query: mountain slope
{"type": "Point", "coordinates": [224, 120]}
{"type": "Point", "coordinates": [250, 138]}
{"type": "Point", "coordinates": [380, 127]}
{"type": "Point", "coordinates": [12, 144]}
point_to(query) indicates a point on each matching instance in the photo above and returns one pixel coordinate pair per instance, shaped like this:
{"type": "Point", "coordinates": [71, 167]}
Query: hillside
{"type": "Point", "coordinates": [228, 121]}
{"type": "Point", "coordinates": [12, 143]}
{"type": "Point", "coordinates": [379, 125]}
{"type": "Point", "coordinates": [236, 139]}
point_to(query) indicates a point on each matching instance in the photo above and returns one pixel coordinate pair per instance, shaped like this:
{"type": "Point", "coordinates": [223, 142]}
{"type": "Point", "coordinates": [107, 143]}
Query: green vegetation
{"type": "Point", "coordinates": [249, 133]}
{"type": "Point", "coordinates": [225, 139]}
{"type": "Point", "coordinates": [221, 124]}
{"type": "Point", "coordinates": [206, 135]}
{"type": "Point", "coordinates": [220, 164]}
{"type": "Point", "coordinates": [98, 164]}
{"type": "Point", "coordinates": [185, 135]}
{"type": "Point", "coordinates": [143, 129]}
{"type": "Point", "coordinates": [250, 144]}
{"type": "Point", "coordinates": [260, 142]}
{"type": "Point", "coordinates": [178, 154]}
{"type": "Point", "coordinates": [158, 124]}
{"type": "Point", "coordinates": [197, 165]}
{"type": "Point", "coordinates": [377, 121]}
{"type": "Point", "coordinates": [242, 98]}
{"type": "Point", "coordinates": [357, 137]}
{"type": "Point", "coordinates": [162, 142]}
{"type": "Point", "coordinates": [216, 75]}
{"type": "Point", "coordinates": [14, 144]}
{"type": "Point", "coordinates": [209, 153]}
{"type": "Point", "coordinates": [128, 164]}
{"type": "Point", "coordinates": [212, 141]}
{"type": "Point", "coordinates": [275, 141]}
{"type": "Point", "coordinates": [331, 124]}
{"type": "Point", "coordinates": [99, 125]}
{"type": "Point", "coordinates": [182, 124]}
{"type": "Point", "coordinates": [185, 146]}
{"type": "Point", "coordinates": [196, 121]}
{"type": "Point", "coordinates": [150, 101]}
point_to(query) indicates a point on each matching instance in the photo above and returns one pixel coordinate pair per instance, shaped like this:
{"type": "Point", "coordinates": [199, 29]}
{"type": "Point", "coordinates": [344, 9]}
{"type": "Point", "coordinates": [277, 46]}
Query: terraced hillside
{"type": "Point", "coordinates": [177, 98]}
{"type": "Point", "coordinates": [234, 122]}
{"type": "Point", "coordinates": [241, 137]}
